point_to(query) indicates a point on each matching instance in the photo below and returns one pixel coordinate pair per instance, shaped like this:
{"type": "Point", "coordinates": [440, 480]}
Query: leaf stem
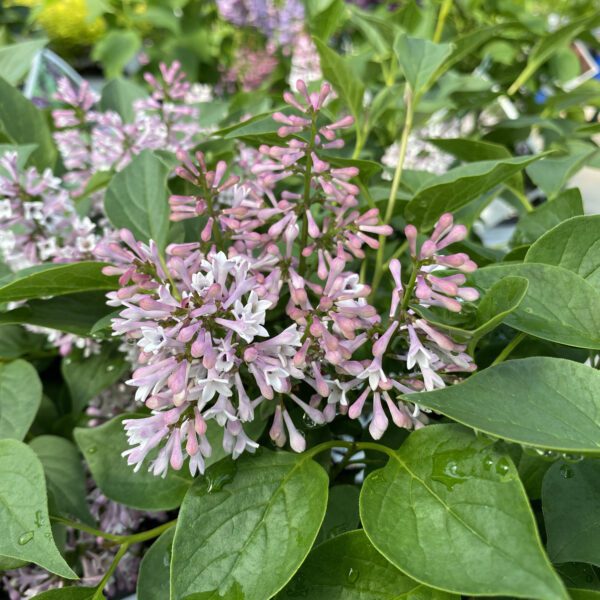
{"type": "Point", "coordinates": [353, 446]}
{"type": "Point", "coordinates": [408, 123]}
{"type": "Point", "coordinates": [115, 563]}
{"type": "Point", "coordinates": [117, 539]}
{"type": "Point", "coordinates": [509, 348]}
{"type": "Point", "coordinates": [439, 28]}
{"type": "Point", "coordinates": [306, 199]}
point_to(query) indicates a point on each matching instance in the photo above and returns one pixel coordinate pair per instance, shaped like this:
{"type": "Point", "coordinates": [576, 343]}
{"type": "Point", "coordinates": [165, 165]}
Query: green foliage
{"type": "Point", "coordinates": [24, 520]}
{"type": "Point", "coordinates": [19, 403]}
{"type": "Point", "coordinates": [137, 199]}
{"type": "Point", "coordinates": [237, 517]}
{"type": "Point", "coordinates": [447, 501]}
{"type": "Point", "coordinates": [542, 402]}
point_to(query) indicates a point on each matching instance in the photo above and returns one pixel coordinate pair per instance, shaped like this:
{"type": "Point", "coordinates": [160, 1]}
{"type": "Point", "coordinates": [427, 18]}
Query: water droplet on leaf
{"type": "Point", "coordinates": [488, 463]}
{"type": "Point", "coordinates": [92, 450]}
{"type": "Point", "coordinates": [39, 519]}
{"type": "Point", "coordinates": [352, 575]}
{"type": "Point", "coordinates": [308, 422]}
{"type": "Point", "coordinates": [26, 538]}
{"type": "Point", "coordinates": [572, 458]}
{"type": "Point", "coordinates": [567, 472]}
{"type": "Point", "coordinates": [503, 466]}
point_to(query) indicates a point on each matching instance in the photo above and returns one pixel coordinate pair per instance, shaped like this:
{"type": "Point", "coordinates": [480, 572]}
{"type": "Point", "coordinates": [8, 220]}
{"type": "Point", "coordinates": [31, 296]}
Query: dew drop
{"type": "Point", "coordinates": [352, 575]}
{"type": "Point", "coordinates": [503, 466]}
{"type": "Point", "coordinates": [488, 463]}
{"type": "Point", "coordinates": [92, 450]}
{"type": "Point", "coordinates": [110, 368]}
{"type": "Point", "coordinates": [26, 538]}
{"type": "Point", "coordinates": [308, 422]}
{"type": "Point", "coordinates": [572, 458]}
{"type": "Point", "coordinates": [566, 471]}
{"type": "Point", "coordinates": [549, 455]}
{"type": "Point", "coordinates": [39, 519]}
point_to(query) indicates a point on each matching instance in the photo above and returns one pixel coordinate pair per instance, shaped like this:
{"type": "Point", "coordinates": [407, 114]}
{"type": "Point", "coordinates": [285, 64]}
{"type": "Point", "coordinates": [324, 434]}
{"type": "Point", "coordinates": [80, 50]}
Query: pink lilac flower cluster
{"type": "Point", "coordinates": [266, 310]}
{"type": "Point", "coordinates": [280, 20]}
{"type": "Point", "coordinates": [93, 555]}
{"type": "Point", "coordinates": [38, 220]}
{"type": "Point", "coordinates": [92, 140]}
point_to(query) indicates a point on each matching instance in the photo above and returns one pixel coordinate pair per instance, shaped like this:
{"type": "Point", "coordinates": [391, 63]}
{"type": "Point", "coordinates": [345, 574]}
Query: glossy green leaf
{"type": "Point", "coordinates": [420, 60]}
{"type": "Point", "coordinates": [543, 402]}
{"type": "Point", "coordinates": [102, 447]}
{"type": "Point", "coordinates": [137, 199]}
{"type": "Point", "coordinates": [65, 477]}
{"type": "Point", "coordinates": [325, 20]}
{"type": "Point", "coordinates": [264, 509]}
{"type": "Point", "coordinates": [342, 512]}
{"type": "Point", "coordinates": [549, 44]}
{"type": "Point", "coordinates": [24, 520]}
{"type": "Point", "coordinates": [153, 578]}
{"type": "Point", "coordinates": [338, 72]}
{"type": "Point", "coordinates": [56, 280]}
{"type": "Point", "coordinates": [534, 224]}
{"type": "Point", "coordinates": [468, 43]}
{"type": "Point", "coordinates": [582, 594]}
{"type": "Point", "coordinates": [20, 397]}
{"type": "Point", "coordinates": [16, 59]}
{"type": "Point", "coordinates": [115, 50]}
{"type": "Point", "coordinates": [348, 567]}
{"type": "Point", "coordinates": [459, 186]}
{"type": "Point", "coordinates": [119, 95]}
{"type": "Point", "coordinates": [571, 504]}
{"type": "Point", "coordinates": [573, 245]}
{"type": "Point", "coordinates": [23, 123]}
{"type": "Point", "coordinates": [560, 306]}
{"type": "Point", "coordinates": [451, 512]}
{"type": "Point", "coordinates": [72, 313]}
{"type": "Point", "coordinates": [87, 376]}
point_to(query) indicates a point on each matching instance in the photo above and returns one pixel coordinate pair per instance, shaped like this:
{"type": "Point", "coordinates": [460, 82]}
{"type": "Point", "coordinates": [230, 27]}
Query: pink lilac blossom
{"type": "Point", "coordinates": [280, 20]}
{"type": "Point", "coordinates": [92, 140]}
{"type": "Point", "coordinates": [212, 350]}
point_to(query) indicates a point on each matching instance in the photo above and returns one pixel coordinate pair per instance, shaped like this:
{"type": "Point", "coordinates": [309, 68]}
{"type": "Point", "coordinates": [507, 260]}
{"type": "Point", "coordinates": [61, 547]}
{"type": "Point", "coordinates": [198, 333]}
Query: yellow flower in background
{"type": "Point", "coordinates": [67, 22]}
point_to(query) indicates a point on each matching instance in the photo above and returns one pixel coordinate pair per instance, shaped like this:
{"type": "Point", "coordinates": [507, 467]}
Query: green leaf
{"type": "Point", "coordinates": [16, 342]}
{"type": "Point", "coordinates": [20, 398]}
{"type": "Point", "coordinates": [571, 504]}
{"type": "Point", "coordinates": [23, 123]}
{"type": "Point", "coordinates": [551, 174]}
{"type": "Point", "coordinates": [73, 313]}
{"type": "Point", "coordinates": [450, 512]}
{"type": "Point", "coordinates": [259, 510]}
{"type": "Point", "coordinates": [56, 280]}
{"type": "Point", "coordinates": [348, 567]}
{"type": "Point", "coordinates": [573, 245]}
{"type": "Point", "coordinates": [87, 376]}
{"type": "Point", "coordinates": [137, 199]}
{"type": "Point", "coordinates": [115, 50]}
{"type": "Point", "coordinates": [459, 186]}
{"type": "Point", "coordinates": [119, 95]}
{"type": "Point", "coordinates": [341, 514]}
{"type": "Point", "coordinates": [559, 306]}
{"type": "Point", "coordinates": [543, 402]}
{"type": "Point", "coordinates": [102, 447]}
{"type": "Point", "coordinates": [324, 21]}
{"type": "Point", "coordinates": [70, 593]}
{"type": "Point", "coordinates": [24, 520]}
{"type": "Point", "coordinates": [153, 579]}
{"type": "Point", "coordinates": [534, 224]}
{"type": "Point", "coordinates": [16, 59]}
{"type": "Point", "coordinates": [550, 44]}
{"type": "Point", "coordinates": [468, 43]}
{"type": "Point", "coordinates": [583, 594]}
{"type": "Point", "coordinates": [65, 477]}
{"type": "Point", "coordinates": [340, 74]}
{"type": "Point", "coordinates": [420, 60]}
{"type": "Point", "coordinates": [503, 298]}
